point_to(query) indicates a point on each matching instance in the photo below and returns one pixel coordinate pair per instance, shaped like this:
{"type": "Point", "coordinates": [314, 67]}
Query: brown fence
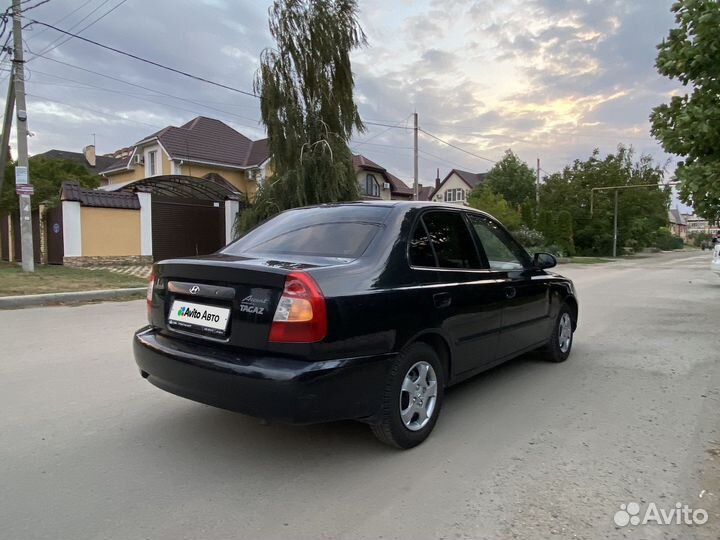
{"type": "Point", "coordinates": [17, 245]}
{"type": "Point", "coordinates": [54, 235]}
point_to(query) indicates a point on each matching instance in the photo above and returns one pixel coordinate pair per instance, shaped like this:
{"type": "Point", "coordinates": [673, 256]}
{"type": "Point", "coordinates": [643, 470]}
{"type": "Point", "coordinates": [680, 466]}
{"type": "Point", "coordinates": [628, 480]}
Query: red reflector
{"type": "Point", "coordinates": [150, 290]}
{"type": "Point", "coordinates": [301, 315]}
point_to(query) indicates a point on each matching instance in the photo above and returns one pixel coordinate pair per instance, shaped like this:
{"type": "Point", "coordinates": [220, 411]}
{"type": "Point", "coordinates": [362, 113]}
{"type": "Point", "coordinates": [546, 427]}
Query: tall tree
{"type": "Point", "coordinates": [306, 102]}
{"type": "Point", "coordinates": [689, 125]}
{"type": "Point", "coordinates": [641, 210]}
{"type": "Point", "coordinates": [513, 179]}
{"type": "Point", "coordinates": [47, 178]}
{"type": "Point", "coordinates": [485, 199]}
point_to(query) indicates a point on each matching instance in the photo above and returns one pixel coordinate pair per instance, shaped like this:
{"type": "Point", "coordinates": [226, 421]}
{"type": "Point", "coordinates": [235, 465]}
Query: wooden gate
{"type": "Point", "coordinates": [54, 235]}
{"type": "Point", "coordinates": [186, 227]}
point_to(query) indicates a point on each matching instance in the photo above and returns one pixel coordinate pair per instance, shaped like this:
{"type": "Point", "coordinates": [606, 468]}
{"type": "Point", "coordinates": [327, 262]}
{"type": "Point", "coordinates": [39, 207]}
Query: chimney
{"type": "Point", "coordinates": [89, 152]}
{"type": "Point", "coordinates": [437, 180]}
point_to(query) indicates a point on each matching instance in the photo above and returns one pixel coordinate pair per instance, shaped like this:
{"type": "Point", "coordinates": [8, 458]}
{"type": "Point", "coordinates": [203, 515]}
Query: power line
{"type": "Point", "coordinates": [53, 47]}
{"type": "Point", "coordinates": [385, 145]}
{"type": "Point", "coordinates": [145, 97]}
{"type": "Point", "coordinates": [145, 60]}
{"type": "Point", "coordinates": [61, 19]}
{"type": "Point", "coordinates": [396, 126]}
{"type": "Point", "coordinates": [457, 147]}
{"type": "Point", "coordinates": [444, 160]}
{"type": "Point", "coordinates": [94, 111]}
{"type": "Point", "coordinates": [366, 141]}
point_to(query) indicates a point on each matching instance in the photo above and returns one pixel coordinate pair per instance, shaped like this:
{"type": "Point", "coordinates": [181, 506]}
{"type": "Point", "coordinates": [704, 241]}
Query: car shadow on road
{"type": "Point", "coordinates": [216, 434]}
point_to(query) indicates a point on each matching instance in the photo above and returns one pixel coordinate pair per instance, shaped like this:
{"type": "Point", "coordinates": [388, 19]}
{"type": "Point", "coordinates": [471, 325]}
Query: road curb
{"type": "Point", "coordinates": [8, 302]}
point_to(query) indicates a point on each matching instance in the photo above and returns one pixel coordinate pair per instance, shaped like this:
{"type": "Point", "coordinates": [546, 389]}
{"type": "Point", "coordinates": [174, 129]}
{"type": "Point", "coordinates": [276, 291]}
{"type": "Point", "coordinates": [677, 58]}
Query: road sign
{"type": "Point", "coordinates": [21, 176]}
{"type": "Point", "coordinates": [24, 189]}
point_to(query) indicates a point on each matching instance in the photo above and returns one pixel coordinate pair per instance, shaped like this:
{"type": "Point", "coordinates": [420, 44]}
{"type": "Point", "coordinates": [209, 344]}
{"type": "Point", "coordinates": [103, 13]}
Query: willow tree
{"type": "Point", "coordinates": [306, 100]}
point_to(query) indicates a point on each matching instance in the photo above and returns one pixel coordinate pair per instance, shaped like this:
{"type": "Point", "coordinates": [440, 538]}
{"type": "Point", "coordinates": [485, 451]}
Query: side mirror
{"type": "Point", "coordinates": [544, 261]}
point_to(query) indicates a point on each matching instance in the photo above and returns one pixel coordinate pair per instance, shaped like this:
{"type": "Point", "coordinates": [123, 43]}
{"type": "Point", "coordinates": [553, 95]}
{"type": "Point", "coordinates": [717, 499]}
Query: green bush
{"type": "Point", "coordinates": [529, 238]}
{"type": "Point", "coordinates": [665, 240]}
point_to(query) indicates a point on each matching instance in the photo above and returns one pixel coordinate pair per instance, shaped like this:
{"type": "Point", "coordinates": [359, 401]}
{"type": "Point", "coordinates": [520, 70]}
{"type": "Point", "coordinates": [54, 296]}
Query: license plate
{"type": "Point", "coordinates": [200, 318]}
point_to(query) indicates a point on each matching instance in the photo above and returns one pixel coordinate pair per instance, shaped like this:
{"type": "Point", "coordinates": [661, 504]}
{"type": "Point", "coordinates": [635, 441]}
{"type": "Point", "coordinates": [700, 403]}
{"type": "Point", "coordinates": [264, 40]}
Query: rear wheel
{"type": "Point", "coordinates": [560, 344]}
{"type": "Point", "coordinates": [412, 398]}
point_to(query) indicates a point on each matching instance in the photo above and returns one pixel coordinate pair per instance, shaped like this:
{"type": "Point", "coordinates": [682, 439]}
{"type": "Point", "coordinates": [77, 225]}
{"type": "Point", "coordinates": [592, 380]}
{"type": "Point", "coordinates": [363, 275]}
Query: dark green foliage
{"type": "Point", "coordinates": [46, 176]}
{"type": "Point", "coordinates": [527, 211]}
{"type": "Point", "coordinates": [699, 238]}
{"type": "Point", "coordinates": [545, 224]}
{"type": "Point", "coordinates": [666, 241]}
{"type": "Point", "coordinates": [483, 198]}
{"type": "Point", "coordinates": [564, 233]}
{"type": "Point", "coordinates": [689, 125]}
{"type": "Point", "coordinates": [513, 179]}
{"type": "Point", "coordinates": [306, 88]}
{"type": "Point", "coordinates": [642, 210]}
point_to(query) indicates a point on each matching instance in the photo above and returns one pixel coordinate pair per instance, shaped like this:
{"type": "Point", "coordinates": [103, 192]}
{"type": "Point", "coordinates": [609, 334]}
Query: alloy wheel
{"type": "Point", "coordinates": [418, 396]}
{"type": "Point", "coordinates": [565, 332]}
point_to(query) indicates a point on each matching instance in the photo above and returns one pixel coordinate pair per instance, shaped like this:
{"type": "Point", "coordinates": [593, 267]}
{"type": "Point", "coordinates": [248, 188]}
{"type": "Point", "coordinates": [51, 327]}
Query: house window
{"type": "Point", "coordinates": [453, 195]}
{"type": "Point", "coordinates": [152, 163]}
{"type": "Point", "coordinates": [371, 188]}
{"type": "Point", "coordinates": [177, 168]}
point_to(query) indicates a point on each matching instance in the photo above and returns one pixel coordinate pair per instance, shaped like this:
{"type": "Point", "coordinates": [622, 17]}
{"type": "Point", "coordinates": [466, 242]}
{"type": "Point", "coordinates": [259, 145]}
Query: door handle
{"type": "Point", "coordinates": [442, 300]}
{"type": "Point", "coordinates": [510, 292]}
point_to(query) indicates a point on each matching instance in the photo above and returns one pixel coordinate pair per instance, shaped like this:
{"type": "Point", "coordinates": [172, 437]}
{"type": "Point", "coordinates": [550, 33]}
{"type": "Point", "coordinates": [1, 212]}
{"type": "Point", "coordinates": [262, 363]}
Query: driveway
{"type": "Point", "coordinates": [88, 450]}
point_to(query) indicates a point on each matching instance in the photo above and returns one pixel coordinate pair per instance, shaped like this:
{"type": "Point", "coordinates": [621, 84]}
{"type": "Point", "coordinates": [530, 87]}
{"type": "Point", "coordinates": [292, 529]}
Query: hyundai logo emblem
{"type": "Point", "coordinates": [194, 289]}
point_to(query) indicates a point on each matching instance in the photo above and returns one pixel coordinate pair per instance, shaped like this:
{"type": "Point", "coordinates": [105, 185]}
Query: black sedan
{"type": "Point", "coordinates": [364, 311]}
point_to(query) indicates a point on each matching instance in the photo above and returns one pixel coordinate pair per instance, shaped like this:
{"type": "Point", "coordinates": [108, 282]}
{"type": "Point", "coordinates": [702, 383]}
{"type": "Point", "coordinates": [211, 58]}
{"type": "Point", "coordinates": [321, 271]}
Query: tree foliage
{"type": "Point", "coordinates": [689, 125]}
{"type": "Point", "coordinates": [641, 212]}
{"type": "Point", "coordinates": [483, 198]}
{"type": "Point", "coordinates": [513, 179]}
{"type": "Point", "coordinates": [306, 101]}
{"type": "Point", "coordinates": [564, 233]}
{"type": "Point", "coordinates": [46, 176]}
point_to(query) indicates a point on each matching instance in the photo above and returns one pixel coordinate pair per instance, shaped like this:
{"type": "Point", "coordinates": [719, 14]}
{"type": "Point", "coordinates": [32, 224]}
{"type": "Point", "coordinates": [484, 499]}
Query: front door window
{"type": "Point", "coordinates": [502, 253]}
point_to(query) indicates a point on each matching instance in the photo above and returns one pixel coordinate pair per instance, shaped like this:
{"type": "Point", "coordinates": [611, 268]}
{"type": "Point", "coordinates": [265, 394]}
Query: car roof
{"type": "Point", "coordinates": [406, 205]}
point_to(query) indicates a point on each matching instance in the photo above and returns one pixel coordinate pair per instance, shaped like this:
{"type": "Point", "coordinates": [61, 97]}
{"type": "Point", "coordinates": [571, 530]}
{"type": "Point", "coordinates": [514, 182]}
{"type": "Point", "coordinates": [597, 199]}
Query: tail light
{"type": "Point", "coordinates": [150, 290]}
{"type": "Point", "coordinates": [301, 315]}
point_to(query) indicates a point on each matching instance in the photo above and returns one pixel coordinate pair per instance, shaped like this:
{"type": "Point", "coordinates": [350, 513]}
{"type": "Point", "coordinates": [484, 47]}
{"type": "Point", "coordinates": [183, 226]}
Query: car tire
{"type": "Point", "coordinates": [402, 422]}
{"type": "Point", "coordinates": [558, 348]}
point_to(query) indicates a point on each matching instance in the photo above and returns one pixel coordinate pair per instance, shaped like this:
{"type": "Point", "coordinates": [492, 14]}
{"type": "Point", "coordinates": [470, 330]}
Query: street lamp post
{"type": "Point", "coordinates": [615, 215]}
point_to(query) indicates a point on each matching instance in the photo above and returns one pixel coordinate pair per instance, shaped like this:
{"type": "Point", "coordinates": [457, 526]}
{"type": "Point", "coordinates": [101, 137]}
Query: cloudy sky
{"type": "Point", "coordinates": [548, 78]}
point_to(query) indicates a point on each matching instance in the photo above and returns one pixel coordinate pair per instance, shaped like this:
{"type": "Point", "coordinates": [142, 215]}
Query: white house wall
{"type": "Point", "coordinates": [385, 194]}
{"type": "Point", "coordinates": [453, 182]}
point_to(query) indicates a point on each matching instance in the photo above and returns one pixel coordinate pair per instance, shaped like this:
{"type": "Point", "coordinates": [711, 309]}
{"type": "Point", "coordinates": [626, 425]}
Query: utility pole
{"type": "Point", "coordinates": [537, 185]}
{"type": "Point", "coordinates": [22, 176]}
{"type": "Point", "coordinates": [615, 220]}
{"type": "Point", "coordinates": [415, 157]}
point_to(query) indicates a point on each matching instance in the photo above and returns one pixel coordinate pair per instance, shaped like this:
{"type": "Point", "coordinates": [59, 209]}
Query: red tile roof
{"type": "Point", "coordinates": [206, 140]}
{"type": "Point", "coordinates": [397, 186]}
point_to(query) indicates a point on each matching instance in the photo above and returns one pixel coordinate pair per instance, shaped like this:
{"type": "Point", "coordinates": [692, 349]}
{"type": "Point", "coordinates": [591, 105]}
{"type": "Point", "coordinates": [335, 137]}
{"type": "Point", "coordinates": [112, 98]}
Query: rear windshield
{"type": "Point", "coordinates": [332, 231]}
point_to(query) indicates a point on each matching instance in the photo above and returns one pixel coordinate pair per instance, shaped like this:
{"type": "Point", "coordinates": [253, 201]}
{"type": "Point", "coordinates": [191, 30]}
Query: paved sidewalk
{"type": "Point", "coordinates": [142, 271]}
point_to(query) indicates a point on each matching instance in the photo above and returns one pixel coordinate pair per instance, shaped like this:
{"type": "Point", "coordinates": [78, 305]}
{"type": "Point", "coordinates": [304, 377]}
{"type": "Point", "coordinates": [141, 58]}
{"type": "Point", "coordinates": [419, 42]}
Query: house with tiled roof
{"type": "Point", "coordinates": [457, 185]}
{"type": "Point", "coordinates": [376, 182]}
{"type": "Point", "coordinates": [93, 164]}
{"type": "Point", "coordinates": [678, 223]}
{"type": "Point", "coordinates": [201, 147]}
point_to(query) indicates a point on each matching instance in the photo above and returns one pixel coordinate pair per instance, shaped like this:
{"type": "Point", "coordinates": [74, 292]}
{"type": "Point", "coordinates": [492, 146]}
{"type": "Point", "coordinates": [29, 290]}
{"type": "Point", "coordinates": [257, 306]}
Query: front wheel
{"type": "Point", "coordinates": [412, 398]}
{"type": "Point", "coordinates": [558, 348]}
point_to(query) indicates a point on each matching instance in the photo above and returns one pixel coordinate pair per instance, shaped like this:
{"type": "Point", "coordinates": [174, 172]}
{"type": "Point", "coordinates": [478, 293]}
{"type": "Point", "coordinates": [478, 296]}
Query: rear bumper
{"type": "Point", "coordinates": [278, 389]}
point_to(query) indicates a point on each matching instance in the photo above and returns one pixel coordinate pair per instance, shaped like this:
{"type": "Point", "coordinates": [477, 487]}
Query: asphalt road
{"type": "Point", "coordinates": [88, 450]}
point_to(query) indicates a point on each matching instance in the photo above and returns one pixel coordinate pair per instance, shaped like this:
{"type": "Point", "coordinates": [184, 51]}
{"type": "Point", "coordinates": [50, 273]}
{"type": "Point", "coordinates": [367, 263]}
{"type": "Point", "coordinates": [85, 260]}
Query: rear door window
{"type": "Point", "coordinates": [451, 241]}
{"type": "Point", "coordinates": [420, 249]}
{"type": "Point", "coordinates": [341, 232]}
